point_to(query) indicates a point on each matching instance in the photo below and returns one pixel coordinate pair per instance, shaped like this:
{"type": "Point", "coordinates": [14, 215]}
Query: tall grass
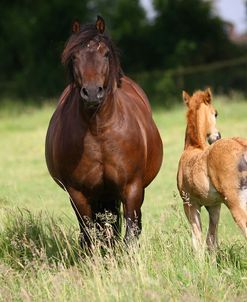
{"type": "Point", "coordinates": [40, 258]}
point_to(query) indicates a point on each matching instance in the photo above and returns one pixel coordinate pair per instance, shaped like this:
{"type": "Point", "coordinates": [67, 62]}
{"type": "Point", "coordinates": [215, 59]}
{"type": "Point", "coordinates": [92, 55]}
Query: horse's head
{"type": "Point", "coordinates": [91, 69]}
{"type": "Point", "coordinates": [202, 111]}
{"type": "Point", "coordinates": [93, 63]}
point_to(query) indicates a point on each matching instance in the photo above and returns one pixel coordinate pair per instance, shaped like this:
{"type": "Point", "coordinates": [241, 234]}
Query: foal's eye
{"type": "Point", "coordinates": [216, 113]}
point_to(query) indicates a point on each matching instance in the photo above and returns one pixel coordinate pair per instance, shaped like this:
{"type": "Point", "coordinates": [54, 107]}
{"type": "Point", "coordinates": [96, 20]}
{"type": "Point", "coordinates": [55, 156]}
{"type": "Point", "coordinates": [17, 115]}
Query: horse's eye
{"type": "Point", "coordinates": [216, 113]}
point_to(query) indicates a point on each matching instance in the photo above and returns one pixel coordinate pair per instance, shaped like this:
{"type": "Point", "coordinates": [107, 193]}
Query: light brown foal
{"type": "Point", "coordinates": [211, 175]}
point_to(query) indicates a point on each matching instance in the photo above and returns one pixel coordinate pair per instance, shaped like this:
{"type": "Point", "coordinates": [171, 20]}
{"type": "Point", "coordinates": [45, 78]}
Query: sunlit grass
{"type": "Point", "coordinates": [40, 258]}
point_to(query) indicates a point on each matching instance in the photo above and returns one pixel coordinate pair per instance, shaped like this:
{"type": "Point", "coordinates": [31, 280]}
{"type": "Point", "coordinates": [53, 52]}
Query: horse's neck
{"type": "Point", "coordinates": [96, 121]}
{"type": "Point", "coordinates": [106, 116]}
{"type": "Point", "coordinates": [195, 135]}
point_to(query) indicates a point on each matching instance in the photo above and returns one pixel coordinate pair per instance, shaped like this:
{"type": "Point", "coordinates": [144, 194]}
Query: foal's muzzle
{"type": "Point", "coordinates": [92, 96]}
{"type": "Point", "coordinates": [214, 137]}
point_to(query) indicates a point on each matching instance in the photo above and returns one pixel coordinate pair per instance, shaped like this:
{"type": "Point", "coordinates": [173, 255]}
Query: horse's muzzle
{"type": "Point", "coordinates": [214, 137]}
{"type": "Point", "coordinates": [92, 96]}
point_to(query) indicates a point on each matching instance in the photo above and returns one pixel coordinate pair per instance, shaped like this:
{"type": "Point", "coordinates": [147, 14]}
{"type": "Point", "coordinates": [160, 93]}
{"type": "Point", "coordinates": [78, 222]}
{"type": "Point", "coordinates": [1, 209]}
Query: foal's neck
{"type": "Point", "coordinates": [195, 135]}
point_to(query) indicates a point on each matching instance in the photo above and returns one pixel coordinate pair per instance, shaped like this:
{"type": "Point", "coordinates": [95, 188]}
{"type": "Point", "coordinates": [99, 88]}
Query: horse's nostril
{"type": "Point", "coordinates": [84, 90]}
{"type": "Point", "coordinates": [100, 93]}
{"type": "Point", "coordinates": [84, 93]}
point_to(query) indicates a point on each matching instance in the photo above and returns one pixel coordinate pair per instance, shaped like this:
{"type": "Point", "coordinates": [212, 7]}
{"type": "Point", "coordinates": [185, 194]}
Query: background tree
{"type": "Point", "coordinates": [187, 32]}
{"type": "Point", "coordinates": [33, 33]}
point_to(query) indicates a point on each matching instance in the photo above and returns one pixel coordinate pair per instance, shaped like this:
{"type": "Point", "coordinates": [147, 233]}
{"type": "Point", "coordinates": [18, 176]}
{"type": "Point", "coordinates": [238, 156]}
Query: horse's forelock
{"type": "Point", "coordinates": [77, 40]}
{"type": "Point", "coordinates": [87, 33]}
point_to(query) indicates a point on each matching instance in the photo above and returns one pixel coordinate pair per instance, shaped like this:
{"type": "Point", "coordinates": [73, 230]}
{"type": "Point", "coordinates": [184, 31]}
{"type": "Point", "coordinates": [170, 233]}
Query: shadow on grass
{"type": "Point", "coordinates": [233, 255]}
{"type": "Point", "coordinates": [28, 239]}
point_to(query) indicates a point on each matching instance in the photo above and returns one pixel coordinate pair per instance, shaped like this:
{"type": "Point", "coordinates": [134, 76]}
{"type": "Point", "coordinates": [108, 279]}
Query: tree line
{"type": "Point", "coordinates": [33, 33]}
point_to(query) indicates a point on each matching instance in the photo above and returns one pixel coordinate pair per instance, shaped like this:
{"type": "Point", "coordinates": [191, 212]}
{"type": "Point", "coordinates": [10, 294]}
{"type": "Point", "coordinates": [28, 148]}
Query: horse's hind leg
{"type": "Point", "coordinates": [193, 213]}
{"type": "Point", "coordinates": [214, 215]}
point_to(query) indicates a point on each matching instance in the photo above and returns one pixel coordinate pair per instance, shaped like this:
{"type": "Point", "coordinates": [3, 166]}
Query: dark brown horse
{"type": "Point", "coordinates": [102, 144]}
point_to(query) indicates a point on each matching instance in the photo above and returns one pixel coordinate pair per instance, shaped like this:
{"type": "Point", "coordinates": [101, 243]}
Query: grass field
{"type": "Point", "coordinates": [40, 259]}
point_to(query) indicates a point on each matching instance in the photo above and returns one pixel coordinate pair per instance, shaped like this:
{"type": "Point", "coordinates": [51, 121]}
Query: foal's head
{"type": "Point", "coordinates": [92, 61]}
{"type": "Point", "coordinates": [201, 118]}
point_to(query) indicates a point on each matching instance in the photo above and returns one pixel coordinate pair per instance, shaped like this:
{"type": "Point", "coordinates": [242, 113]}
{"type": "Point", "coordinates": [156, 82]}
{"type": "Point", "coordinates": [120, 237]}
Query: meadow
{"type": "Point", "coordinates": [40, 259]}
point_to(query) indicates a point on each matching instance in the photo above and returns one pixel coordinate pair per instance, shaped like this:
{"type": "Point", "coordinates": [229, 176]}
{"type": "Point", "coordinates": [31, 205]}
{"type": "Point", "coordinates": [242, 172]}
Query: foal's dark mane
{"type": "Point", "coordinates": [79, 40]}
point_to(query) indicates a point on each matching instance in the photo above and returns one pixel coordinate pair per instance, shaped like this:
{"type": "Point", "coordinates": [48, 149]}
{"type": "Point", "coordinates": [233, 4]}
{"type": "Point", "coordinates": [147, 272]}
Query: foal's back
{"type": "Point", "coordinates": [227, 167]}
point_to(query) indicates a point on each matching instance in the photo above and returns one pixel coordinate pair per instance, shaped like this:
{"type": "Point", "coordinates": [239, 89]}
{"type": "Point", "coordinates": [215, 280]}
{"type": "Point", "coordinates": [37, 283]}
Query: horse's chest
{"type": "Point", "coordinates": [99, 163]}
{"type": "Point", "coordinates": [90, 170]}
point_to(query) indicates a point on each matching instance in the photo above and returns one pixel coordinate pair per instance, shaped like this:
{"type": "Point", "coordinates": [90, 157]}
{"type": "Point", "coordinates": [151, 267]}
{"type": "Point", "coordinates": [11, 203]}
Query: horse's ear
{"type": "Point", "coordinates": [186, 98]}
{"type": "Point", "coordinates": [100, 24]}
{"type": "Point", "coordinates": [76, 26]}
{"type": "Point", "coordinates": [209, 95]}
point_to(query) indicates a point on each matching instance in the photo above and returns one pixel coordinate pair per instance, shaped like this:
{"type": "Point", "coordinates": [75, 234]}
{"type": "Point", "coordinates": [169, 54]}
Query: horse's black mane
{"type": "Point", "coordinates": [79, 40]}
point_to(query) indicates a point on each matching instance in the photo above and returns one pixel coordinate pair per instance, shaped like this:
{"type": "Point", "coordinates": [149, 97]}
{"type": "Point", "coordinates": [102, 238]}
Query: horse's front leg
{"type": "Point", "coordinates": [133, 196]}
{"type": "Point", "coordinates": [83, 213]}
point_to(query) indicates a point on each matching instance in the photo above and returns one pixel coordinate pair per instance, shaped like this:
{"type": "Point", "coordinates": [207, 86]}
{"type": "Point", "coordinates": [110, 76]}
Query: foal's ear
{"type": "Point", "coordinates": [208, 95]}
{"type": "Point", "coordinates": [100, 24]}
{"type": "Point", "coordinates": [76, 26]}
{"type": "Point", "coordinates": [186, 98]}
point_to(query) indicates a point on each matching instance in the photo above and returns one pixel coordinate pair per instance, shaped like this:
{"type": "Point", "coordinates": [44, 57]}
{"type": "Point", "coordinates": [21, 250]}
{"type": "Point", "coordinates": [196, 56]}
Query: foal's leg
{"type": "Point", "coordinates": [239, 214]}
{"type": "Point", "coordinates": [133, 196]}
{"type": "Point", "coordinates": [193, 213]}
{"type": "Point", "coordinates": [214, 215]}
{"type": "Point", "coordinates": [236, 201]}
{"type": "Point", "coordinates": [83, 212]}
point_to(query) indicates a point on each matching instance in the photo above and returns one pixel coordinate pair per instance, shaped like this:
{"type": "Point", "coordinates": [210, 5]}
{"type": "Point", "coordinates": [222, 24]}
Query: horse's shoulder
{"type": "Point", "coordinates": [66, 92]}
{"type": "Point", "coordinates": [131, 87]}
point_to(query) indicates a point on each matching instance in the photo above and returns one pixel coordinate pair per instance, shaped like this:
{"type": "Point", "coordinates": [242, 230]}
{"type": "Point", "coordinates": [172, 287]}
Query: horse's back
{"type": "Point", "coordinates": [136, 92]}
{"type": "Point", "coordinates": [136, 103]}
{"type": "Point", "coordinates": [56, 134]}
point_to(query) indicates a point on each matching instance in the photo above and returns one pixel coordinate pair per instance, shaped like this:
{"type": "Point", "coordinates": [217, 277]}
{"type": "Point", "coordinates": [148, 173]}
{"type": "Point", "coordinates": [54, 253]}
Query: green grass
{"type": "Point", "coordinates": [40, 259]}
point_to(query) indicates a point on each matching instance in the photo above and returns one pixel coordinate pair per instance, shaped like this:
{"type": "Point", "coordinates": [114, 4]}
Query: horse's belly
{"type": "Point", "coordinates": [88, 175]}
{"type": "Point", "coordinates": [100, 175]}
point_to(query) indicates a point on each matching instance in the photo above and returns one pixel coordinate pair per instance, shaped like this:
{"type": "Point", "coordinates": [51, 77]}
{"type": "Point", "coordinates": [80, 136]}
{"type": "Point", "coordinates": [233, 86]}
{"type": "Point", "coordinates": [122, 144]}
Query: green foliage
{"type": "Point", "coordinates": [160, 88]}
{"type": "Point", "coordinates": [33, 33]}
{"type": "Point", "coordinates": [186, 32]}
